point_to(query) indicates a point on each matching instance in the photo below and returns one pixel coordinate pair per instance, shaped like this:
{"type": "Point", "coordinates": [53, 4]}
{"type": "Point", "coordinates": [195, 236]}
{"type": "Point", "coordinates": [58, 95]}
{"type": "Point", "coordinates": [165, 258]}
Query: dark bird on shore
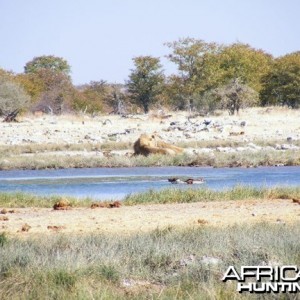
{"type": "Point", "coordinates": [173, 123]}
{"type": "Point", "coordinates": [175, 180]}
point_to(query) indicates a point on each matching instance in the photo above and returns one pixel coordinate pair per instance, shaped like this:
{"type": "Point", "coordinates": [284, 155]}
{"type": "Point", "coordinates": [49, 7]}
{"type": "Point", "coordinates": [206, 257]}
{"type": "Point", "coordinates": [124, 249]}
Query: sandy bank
{"type": "Point", "coordinates": [143, 218]}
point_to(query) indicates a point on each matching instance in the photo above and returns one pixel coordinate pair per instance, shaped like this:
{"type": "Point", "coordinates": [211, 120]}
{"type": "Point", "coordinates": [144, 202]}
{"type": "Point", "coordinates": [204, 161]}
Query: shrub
{"type": "Point", "coordinates": [12, 97]}
{"type": "Point", "coordinates": [3, 239]}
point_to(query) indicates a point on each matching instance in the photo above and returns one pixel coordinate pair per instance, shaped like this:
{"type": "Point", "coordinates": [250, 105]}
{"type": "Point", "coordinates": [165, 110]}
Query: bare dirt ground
{"type": "Point", "coordinates": [143, 218]}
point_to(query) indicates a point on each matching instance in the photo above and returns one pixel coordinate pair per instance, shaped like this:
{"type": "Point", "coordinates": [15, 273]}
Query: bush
{"type": "Point", "coordinates": [3, 239]}
{"type": "Point", "coordinates": [12, 97]}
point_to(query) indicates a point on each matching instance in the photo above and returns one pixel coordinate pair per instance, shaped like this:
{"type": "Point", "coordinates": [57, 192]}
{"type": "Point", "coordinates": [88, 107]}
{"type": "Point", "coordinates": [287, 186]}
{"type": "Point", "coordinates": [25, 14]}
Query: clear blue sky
{"type": "Point", "coordinates": [100, 38]}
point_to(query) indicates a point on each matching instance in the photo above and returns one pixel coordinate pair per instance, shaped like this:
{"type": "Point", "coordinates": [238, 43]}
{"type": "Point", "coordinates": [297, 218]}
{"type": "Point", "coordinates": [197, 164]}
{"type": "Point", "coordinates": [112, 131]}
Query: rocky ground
{"type": "Point", "coordinates": [250, 127]}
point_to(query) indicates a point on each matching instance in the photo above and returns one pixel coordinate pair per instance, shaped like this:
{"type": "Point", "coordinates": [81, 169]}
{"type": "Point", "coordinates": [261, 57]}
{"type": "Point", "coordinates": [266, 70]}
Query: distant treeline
{"type": "Point", "coordinates": [209, 76]}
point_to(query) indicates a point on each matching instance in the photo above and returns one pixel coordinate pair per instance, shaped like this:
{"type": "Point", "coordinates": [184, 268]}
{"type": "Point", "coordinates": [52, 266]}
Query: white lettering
{"type": "Point", "coordinates": [266, 271]}
{"type": "Point", "coordinates": [245, 274]}
{"type": "Point", "coordinates": [245, 287]}
{"type": "Point", "coordinates": [229, 276]}
{"type": "Point", "coordinates": [284, 279]}
{"type": "Point", "coordinates": [268, 287]}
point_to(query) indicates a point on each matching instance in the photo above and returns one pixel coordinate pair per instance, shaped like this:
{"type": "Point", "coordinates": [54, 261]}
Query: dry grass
{"type": "Point", "coordinates": [163, 264]}
{"type": "Point", "coordinates": [215, 159]}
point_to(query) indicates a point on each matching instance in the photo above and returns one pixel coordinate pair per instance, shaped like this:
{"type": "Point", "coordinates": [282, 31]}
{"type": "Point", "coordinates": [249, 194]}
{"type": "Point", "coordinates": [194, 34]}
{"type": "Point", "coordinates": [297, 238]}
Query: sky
{"type": "Point", "coordinates": [99, 38]}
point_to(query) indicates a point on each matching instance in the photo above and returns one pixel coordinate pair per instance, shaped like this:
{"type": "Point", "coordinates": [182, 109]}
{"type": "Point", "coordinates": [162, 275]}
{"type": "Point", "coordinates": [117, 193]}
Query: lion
{"type": "Point", "coordinates": [62, 204]}
{"type": "Point", "coordinates": [152, 144]}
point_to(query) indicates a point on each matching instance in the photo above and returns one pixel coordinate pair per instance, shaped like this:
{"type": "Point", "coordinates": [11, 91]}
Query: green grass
{"type": "Point", "coordinates": [13, 200]}
{"type": "Point", "coordinates": [162, 264]}
{"type": "Point", "coordinates": [170, 195]}
{"type": "Point", "coordinates": [173, 195]}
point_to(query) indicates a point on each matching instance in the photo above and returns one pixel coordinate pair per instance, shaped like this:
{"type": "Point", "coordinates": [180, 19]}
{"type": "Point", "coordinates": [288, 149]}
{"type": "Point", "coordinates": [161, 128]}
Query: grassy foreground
{"type": "Point", "coordinates": [163, 264]}
{"type": "Point", "coordinates": [170, 195]}
{"type": "Point", "coordinates": [168, 263]}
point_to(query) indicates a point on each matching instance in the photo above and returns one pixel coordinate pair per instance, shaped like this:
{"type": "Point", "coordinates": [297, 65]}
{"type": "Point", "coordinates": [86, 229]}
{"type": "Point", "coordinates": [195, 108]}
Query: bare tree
{"type": "Point", "coordinates": [116, 99]}
{"type": "Point", "coordinates": [236, 95]}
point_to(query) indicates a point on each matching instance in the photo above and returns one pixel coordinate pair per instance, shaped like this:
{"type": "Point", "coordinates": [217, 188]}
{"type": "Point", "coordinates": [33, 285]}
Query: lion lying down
{"type": "Point", "coordinates": [152, 144]}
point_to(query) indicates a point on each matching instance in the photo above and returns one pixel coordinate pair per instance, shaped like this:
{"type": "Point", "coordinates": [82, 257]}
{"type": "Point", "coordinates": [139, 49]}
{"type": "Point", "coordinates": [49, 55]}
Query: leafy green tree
{"type": "Point", "coordinates": [48, 81]}
{"type": "Point", "coordinates": [12, 97]}
{"type": "Point", "coordinates": [281, 86]}
{"type": "Point", "coordinates": [196, 61]}
{"type": "Point", "coordinates": [32, 84]}
{"type": "Point", "coordinates": [48, 62]}
{"type": "Point", "coordinates": [145, 81]}
{"type": "Point", "coordinates": [174, 93]}
{"type": "Point", "coordinates": [241, 61]}
{"type": "Point", "coordinates": [203, 67]}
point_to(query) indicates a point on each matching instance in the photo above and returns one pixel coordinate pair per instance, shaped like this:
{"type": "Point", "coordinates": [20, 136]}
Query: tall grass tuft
{"type": "Point", "coordinates": [3, 239]}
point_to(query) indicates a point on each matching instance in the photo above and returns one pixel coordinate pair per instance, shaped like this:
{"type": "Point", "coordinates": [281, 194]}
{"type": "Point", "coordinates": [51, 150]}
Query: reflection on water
{"type": "Point", "coordinates": [116, 183]}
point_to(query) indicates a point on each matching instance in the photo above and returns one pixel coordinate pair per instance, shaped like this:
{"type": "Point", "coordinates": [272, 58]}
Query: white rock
{"type": "Point", "coordinates": [209, 260]}
{"type": "Point", "coordinates": [253, 146]}
{"type": "Point", "coordinates": [225, 149]}
{"type": "Point", "coordinates": [205, 150]}
{"type": "Point", "coordinates": [240, 149]}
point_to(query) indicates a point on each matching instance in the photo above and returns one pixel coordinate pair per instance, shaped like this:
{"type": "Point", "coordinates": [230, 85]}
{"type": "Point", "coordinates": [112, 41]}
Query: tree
{"type": "Point", "coordinates": [92, 96]}
{"type": "Point", "coordinates": [196, 63]}
{"type": "Point", "coordinates": [33, 85]}
{"type": "Point", "coordinates": [48, 62]}
{"type": "Point", "coordinates": [145, 81]}
{"type": "Point", "coordinates": [5, 74]}
{"type": "Point", "coordinates": [241, 61]}
{"type": "Point", "coordinates": [12, 97]}
{"type": "Point", "coordinates": [235, 95]}
{"type": "Point", "coordinates": [56, 92]}
{"type": "Point", "coordinates": [116, 99]}
{"type": "Point", "coordinates": [281, 86]}
{"type": "Point", "coordinates": [47, 79]}
{"type": "Point", "coordinates": [174, 92]}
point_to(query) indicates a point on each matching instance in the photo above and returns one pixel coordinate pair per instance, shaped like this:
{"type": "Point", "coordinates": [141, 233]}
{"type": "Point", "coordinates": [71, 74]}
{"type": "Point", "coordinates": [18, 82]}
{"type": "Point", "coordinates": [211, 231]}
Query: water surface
{"type": "Point", "coordinates": [116, 183]}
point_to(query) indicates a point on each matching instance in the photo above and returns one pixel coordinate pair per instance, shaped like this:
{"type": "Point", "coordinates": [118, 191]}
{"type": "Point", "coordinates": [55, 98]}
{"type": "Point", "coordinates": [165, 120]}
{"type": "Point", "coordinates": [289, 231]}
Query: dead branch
{"type": "Point", "coordinates": [11, 117]}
